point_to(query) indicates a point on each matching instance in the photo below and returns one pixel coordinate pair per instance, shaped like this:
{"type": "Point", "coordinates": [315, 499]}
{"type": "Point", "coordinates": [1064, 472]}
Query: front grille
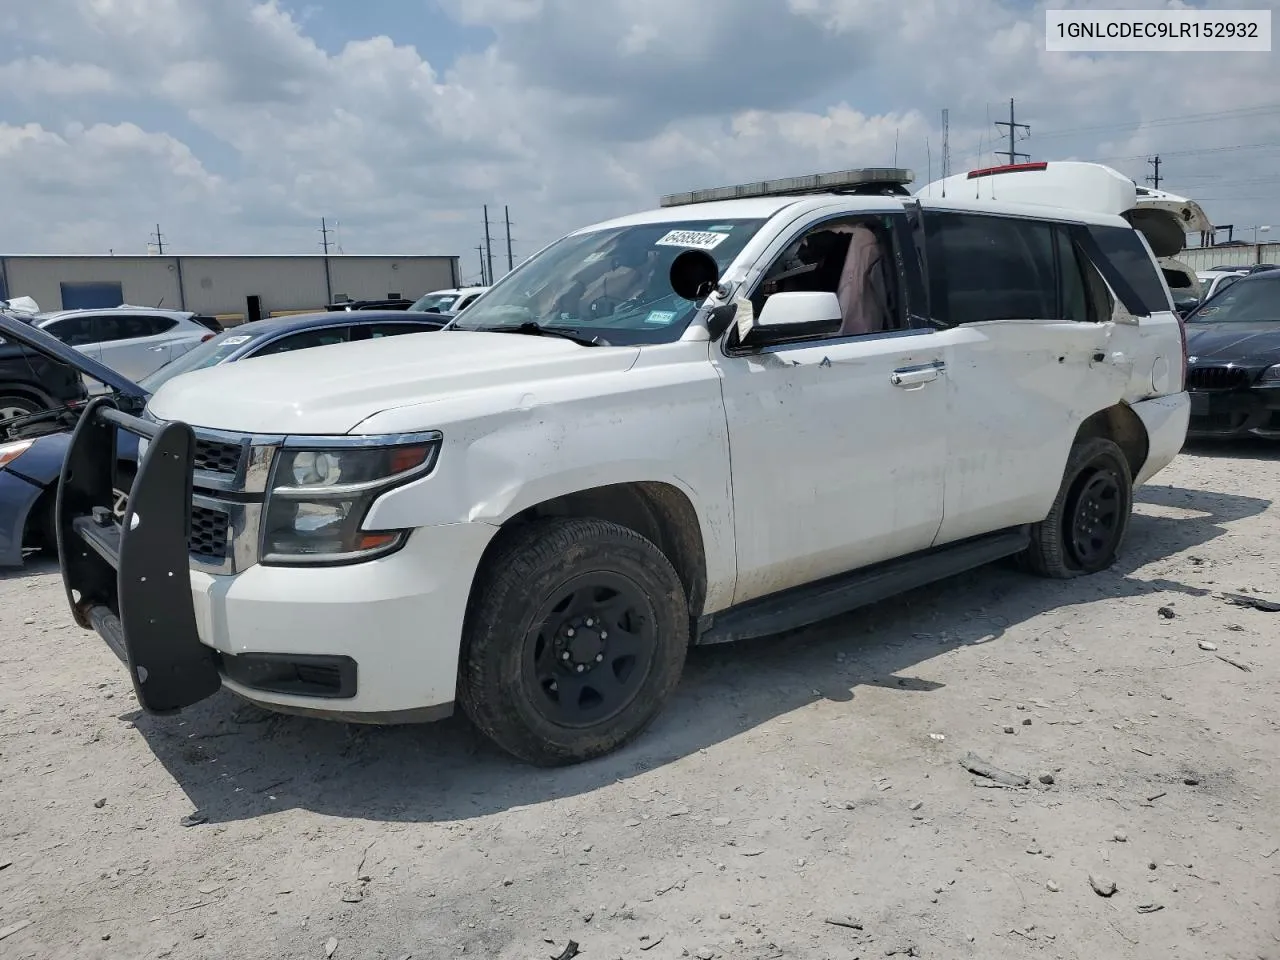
{"type": "Point", "coordinates": [209, 529]}
{"type": "Point", "coordinates": [214, 456]}
{"type": "Point", "coordinates": [1217, 378]}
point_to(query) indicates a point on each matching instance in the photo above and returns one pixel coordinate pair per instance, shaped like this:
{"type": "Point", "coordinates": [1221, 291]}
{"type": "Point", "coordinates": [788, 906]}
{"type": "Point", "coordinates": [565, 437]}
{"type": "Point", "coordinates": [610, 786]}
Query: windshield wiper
{"type": "Point", "coordinates": [530, 328]}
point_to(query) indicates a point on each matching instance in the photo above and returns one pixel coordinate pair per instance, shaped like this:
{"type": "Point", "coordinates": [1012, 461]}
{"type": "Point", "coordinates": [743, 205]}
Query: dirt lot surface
{"type": "Point", "coordinates": [803, 798]}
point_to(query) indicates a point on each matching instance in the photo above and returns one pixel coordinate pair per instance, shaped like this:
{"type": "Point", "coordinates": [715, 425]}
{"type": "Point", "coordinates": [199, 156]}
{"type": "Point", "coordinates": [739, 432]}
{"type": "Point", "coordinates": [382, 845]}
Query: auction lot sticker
{"type": "Point", "coordinates": [697, 239]}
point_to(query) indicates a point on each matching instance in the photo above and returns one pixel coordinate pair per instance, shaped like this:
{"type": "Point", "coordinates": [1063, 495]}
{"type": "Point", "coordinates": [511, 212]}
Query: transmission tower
{"type": "Point", "coordinates": [1012, 153]}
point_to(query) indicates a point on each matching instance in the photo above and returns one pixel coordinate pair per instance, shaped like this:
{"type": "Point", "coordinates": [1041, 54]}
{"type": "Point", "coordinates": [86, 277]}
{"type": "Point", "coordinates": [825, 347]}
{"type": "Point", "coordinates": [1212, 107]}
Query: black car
{"type": "Point", "coordinates": [30, 382]}
{"type": "Point", "coordinates": [1233, 360]}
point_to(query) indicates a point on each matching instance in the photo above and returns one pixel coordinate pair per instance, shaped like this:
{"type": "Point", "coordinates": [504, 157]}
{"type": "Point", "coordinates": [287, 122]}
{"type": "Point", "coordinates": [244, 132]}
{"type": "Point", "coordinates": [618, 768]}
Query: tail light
{"type": "Point", "coordinates": [1182, 335]}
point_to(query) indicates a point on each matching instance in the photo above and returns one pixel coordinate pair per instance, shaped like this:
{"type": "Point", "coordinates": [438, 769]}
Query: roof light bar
{"type": "Point", "coordinates": [1007, 168]}
{"type": "Point", "coordinates": [840, 181]}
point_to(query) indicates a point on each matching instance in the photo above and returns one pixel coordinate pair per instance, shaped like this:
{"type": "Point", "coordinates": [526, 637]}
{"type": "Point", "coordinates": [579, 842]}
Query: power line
{"type": "Point", "coordinates": [1012, 154]}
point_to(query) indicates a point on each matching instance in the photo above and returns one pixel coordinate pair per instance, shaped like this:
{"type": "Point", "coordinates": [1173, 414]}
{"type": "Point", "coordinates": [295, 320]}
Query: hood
{"type": "Point", "coordinates": [16, 331]}
{"type": "Point", "coordinates": [1243, 343]}
{"type": "Point", "coordinates": [333, 389]}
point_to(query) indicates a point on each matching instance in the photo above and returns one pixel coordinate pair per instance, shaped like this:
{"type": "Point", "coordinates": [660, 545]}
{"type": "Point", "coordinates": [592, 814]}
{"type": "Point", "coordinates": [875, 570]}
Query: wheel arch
{"type": "Point", "coordinates": [1119, 424]}
{"type": "Point", "coordinates": [660, 512]}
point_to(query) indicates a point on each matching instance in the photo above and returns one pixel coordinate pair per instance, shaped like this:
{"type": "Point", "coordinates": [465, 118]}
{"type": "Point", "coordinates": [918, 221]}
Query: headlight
{"type": "Point", "coordinates": [10, 452]}
{"type": "Point", "coordinates": [1271, 374]}
{"type": "Point", "coordinates": [320, 495]}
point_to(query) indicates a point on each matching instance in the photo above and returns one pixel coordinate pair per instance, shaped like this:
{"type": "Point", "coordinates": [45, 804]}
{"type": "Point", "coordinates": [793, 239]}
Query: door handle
{"type": "Point", "coordinates": [157, 349]}
{"type": "Point", "coordinates": [917, 376]}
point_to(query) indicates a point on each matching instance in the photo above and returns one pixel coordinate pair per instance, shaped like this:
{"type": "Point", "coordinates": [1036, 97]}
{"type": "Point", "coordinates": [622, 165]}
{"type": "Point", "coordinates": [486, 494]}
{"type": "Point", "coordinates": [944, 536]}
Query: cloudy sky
{"type": "Point", "coordinates": [237, 124]}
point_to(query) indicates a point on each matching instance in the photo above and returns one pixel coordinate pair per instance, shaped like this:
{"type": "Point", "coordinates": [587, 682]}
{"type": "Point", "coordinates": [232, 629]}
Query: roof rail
{"type": "Point", "coordinates": [869, 180]}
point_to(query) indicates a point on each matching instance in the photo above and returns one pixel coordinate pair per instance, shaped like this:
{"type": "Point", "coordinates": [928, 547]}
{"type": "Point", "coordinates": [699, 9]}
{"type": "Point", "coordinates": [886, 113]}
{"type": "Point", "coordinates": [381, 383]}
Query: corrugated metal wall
{"type": "Point", "coordinates": [220, 285]}
{"type": "Point", "coordinates": [1203, 258]}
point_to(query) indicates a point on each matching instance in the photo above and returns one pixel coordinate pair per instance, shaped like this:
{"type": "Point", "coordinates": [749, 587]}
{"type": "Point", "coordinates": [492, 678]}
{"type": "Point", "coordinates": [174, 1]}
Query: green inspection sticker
{"type": "Point", "coordinates": [660, 318]}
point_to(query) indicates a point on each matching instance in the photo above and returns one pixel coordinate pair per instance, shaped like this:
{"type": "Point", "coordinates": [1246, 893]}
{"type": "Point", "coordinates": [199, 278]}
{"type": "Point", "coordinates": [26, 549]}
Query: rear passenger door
{"type": "Point", "coordinates": [1027, 324]}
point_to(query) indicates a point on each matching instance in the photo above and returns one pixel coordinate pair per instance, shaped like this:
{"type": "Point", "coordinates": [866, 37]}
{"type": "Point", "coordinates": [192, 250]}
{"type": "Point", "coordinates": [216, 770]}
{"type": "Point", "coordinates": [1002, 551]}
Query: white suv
{"type": "Point", "coordinates": [723, 418]}
{"type": "Point", "coordinates": [133, 341]}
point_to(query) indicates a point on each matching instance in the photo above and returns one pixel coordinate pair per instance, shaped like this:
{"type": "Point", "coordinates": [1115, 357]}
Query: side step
{"type": "Point", "coordinates": [815, 602]}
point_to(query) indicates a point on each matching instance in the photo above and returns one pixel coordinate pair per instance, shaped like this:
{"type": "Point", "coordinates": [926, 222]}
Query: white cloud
{"type": "Point", "coordinates": [243, 131]}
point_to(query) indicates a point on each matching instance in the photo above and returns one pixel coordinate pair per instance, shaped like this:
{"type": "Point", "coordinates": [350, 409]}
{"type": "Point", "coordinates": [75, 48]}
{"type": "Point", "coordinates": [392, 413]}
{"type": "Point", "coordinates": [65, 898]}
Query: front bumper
{"type": "Point", "coordinates": [376, 642]}
{"type": "Point", "coordinates": [1251, 411]}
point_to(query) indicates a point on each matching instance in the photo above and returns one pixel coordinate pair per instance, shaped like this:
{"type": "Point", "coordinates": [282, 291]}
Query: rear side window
{"type": "Point", "coordinates": [376, 330]}
{"type": "Point", "coordinates": [305, 340]}
{"type": "Point", "coordinates": [132, 327]}
{"type": "Point", "coordinates": [1125, 262]}
{"type": "Point", "coordinates": [985, 267]}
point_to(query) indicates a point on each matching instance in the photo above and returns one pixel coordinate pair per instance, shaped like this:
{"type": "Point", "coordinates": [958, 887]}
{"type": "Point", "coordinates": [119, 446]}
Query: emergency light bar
{"type": "Point", "coordinates": [872, 180]}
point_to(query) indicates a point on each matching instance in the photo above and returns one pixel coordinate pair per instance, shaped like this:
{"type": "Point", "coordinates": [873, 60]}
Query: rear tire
{"type": "Point", "coordinates": [1087, 524]}
{"type": "Point", "coordinates": [576, 637]}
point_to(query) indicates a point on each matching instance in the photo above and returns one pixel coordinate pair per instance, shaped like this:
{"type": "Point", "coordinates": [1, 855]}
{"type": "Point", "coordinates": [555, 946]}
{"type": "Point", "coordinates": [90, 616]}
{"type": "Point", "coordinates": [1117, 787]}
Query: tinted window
{"type": "Point", "coordinates": [129, 327]}
{"type": "Point", "coordinates": [76, 331]}
{"type": "Point", "coordinates": [434, 303]}
{"type": "Point", "coordinates": [990, 268]}
{"type": "Point", "coordinates": [306, 339]}
{"type": "Point", "coordinates": [1124, 260]}
{"type": "Point", "coordinates": [375, 330]}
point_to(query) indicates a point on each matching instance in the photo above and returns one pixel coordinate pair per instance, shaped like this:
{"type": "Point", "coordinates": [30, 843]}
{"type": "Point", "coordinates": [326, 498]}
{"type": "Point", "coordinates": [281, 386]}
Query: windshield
{"type": "Point", "coordinates": [205, 355]}
{"type": "Point", "coordinates": [1246, 301]}
{"type": "Point", "coordinates": [434, 303]}
{"type": "Point", "coordinates": [609, 283]}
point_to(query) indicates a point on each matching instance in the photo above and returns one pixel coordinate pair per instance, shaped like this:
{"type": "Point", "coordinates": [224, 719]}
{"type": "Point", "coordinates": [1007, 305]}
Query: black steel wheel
{"type": "Point", "coordinates": [1089, 518]}
{"type": "Point", "coordinates": [576, 636]}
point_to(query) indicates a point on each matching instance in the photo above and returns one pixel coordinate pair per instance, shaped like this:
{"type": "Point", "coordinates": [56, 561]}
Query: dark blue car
{"type": "Point", "coordinates": [31, 453]}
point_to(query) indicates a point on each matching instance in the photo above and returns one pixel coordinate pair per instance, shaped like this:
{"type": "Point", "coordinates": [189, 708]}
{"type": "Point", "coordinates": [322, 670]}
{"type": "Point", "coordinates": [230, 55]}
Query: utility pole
{"type": "Point", "coordinates": [159, 241]}
{"type": "Point", "coordinates": [488, 243]}
{"type": "Point", "coordinates": [484, 279]}
{"type": "Point", "coordinates": [511, 262]}
{"type": "Point", "coordinates": [324, 235]}
{"type": "Point", "coordinates": [1012, 153]}
{"type": "Point", "coordinates": [1154, 179]}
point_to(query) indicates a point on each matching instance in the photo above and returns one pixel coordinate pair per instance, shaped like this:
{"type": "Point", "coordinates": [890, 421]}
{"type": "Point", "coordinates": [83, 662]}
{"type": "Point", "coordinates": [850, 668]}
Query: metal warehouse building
{"type": "Point", "coordinates": [221, 286]}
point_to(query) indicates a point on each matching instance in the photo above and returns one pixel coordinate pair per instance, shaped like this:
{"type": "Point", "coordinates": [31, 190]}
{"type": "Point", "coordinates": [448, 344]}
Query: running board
{"type": "Point", "coordinates": [815, 602]}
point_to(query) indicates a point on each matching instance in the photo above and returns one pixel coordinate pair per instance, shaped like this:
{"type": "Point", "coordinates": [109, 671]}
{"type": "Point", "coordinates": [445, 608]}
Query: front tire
{"type": "Point", "coordinates": [16, 405]}
{"type": "Point", "coordinates": [1087, 524]}
{"type": "Point", "coordinates": [576, 637]}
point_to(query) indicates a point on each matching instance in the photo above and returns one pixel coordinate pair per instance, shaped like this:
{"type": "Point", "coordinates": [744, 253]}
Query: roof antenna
{"type": "Point", "coordinates": [929, 153]}
{"type": "Point", "coordinates": [946, 149]}
{"type": "Point", "coordinates": [895, 147]}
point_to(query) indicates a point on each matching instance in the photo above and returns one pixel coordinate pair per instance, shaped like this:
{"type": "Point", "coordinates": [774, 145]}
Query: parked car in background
{"type": "Point", "coordinates": [30, 382]}
{"type": "Point", "coordinates": [1212, 281]}
{"type": "Point", "coordinates": [394, 303]}
{"type": "Point", "coordinates": [134, 341]}
{"type": "Point", "coordinates": [1233, 360]}
{"type": "Point", "coordinates": [31, 462]}
{"type": "Point", "coordinates": [447, 301]}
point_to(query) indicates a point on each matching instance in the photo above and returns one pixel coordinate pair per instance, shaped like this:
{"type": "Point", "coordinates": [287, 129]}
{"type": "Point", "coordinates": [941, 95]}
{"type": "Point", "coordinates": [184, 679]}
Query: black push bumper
{"type": "Point", "coordinates": [129, 578]}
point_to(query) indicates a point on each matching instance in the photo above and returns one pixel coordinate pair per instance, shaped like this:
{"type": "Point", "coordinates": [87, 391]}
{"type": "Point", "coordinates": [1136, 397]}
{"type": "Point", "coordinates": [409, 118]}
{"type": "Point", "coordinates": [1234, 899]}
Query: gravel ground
{"type": "Point", "coordinates": [808, 779]}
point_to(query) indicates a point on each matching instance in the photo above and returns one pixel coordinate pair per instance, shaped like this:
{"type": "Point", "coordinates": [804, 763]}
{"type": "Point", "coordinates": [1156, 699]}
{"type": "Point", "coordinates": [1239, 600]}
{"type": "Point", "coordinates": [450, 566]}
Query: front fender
{"type": "Point", "coordinates": [17, 498]}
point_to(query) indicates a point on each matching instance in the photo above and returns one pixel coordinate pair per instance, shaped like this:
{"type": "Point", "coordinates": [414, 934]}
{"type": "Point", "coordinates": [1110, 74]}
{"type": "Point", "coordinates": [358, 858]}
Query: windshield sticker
{"type": "Point", "coordinates": [232, 341]}
{"type": "Point", "coordinates": [697, 239]}
{"type": "Point", "coordinates": [660, 318]}
{"type": "Point", "coordinates": [721, 228]}
{"type": "Point", "coordinates": [593, 257]}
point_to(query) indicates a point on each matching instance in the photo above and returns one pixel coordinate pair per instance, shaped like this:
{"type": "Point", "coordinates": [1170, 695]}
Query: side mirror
{"type": "Point", "coordinates": [796, 315]}
{"type": "Point", "coordinates": [694, 274]}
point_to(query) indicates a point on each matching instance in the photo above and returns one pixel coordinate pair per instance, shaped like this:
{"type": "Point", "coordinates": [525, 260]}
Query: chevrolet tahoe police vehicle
{"type": "Point", "coordinates": [747, 410]}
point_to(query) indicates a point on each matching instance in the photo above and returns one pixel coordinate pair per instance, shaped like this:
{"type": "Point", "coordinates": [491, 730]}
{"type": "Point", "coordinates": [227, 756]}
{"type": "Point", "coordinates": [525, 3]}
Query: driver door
{"type": "Point", "coordinates": [838, 444]}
